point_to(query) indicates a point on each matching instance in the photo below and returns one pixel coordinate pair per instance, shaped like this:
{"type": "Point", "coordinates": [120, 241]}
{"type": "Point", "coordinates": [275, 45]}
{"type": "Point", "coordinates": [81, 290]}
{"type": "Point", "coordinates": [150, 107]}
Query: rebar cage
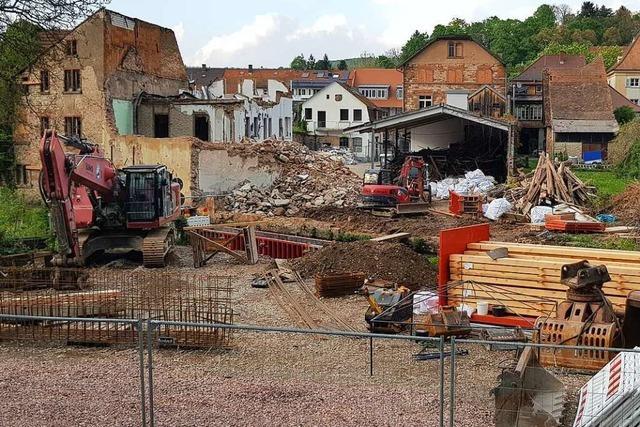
{"type": "Point", "coordinates": [115, 294]}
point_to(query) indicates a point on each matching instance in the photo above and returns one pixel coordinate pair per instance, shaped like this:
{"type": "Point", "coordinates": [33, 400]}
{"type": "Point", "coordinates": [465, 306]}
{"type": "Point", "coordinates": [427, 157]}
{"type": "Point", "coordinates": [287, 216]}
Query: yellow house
{"type": "Point", "coordinates": [624, 76]}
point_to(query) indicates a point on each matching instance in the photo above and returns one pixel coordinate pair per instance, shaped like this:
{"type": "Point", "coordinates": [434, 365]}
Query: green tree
{"type": "Point", "coordinates": [342, 65]}
{"type": "Point", "coordinates": [624, 114]}
{"type": "Point", "coordinates": [415, 43]}
{"type": "Point", "coordinates": [311, 62]}
{"type": "Point", "coordinates": [299, 63]}
{"type": "Point", "coordinates": [612, 36]}
{"type": "Point", "coordinates": [323, 64]}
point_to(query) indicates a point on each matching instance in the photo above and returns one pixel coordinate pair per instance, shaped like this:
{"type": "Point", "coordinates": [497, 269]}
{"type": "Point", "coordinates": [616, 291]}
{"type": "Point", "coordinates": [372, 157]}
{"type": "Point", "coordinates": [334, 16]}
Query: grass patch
{"type": "Point", "coordinates": [18, 220]}
{"type": "Point", "coordinates": [607, 182]}
{"type": "Point", "coordinates": [593, 241]}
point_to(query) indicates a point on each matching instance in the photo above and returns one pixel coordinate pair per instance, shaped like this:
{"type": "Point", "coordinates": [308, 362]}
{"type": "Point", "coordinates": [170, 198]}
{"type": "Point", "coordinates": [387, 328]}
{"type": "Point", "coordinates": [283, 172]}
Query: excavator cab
{"type": "Point", "coordinates": [151, 195]}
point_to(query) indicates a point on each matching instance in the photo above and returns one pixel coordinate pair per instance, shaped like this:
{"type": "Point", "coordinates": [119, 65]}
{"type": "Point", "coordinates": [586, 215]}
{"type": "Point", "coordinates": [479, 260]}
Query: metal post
{"type": "Point", "coordinates": [441, 348]}
{"type": "Point", "coordinates": [453, 382]}
{"type": "Point", "coordinates": [150, 328]}
{"type": "Point", "coordinates": [143, 404]}
{"type": "Point", "coordinates": [370, 356]}
{"type": "Point", "coordinates": [386, 144]}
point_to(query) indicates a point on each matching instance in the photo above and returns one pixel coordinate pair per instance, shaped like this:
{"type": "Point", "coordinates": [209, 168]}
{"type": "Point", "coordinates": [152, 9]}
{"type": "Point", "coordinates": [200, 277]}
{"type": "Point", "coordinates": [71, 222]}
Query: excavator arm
{"type": "Point", "coordinates": [67, 182]}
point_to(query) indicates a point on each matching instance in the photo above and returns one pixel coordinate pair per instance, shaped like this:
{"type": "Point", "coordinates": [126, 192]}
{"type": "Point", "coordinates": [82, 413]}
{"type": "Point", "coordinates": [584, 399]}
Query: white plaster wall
{"type": "Point", "coordinates": [220, 173]}
{"type": "Point", "coordinates": [325, 100]}
{"type": "Point", "coordinates": [274, 86]}
{"type": "Point", "coordinates": [283, 110]}
{"type": "Point", "coordinates": [437, 135]}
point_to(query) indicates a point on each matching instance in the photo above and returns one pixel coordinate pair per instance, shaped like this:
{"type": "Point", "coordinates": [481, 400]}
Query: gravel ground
{"type": "Point", "coordinates": [266, 378]}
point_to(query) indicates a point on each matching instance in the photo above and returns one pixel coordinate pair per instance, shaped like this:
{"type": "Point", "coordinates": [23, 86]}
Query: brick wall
{"type": "Point", "coordinates": [433, 73]}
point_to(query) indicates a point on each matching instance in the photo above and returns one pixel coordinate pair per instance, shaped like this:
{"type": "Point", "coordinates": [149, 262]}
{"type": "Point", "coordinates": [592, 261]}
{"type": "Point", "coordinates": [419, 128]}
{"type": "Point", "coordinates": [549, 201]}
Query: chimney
{"type": "Point", "coordinates": [250, 68]}
{"type": "Point", "coordinates": [204, 66]}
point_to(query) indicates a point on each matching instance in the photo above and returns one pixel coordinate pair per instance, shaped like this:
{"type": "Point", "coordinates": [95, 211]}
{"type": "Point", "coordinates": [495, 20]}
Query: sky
{"type": "Point", "coordinates": [270, 33]}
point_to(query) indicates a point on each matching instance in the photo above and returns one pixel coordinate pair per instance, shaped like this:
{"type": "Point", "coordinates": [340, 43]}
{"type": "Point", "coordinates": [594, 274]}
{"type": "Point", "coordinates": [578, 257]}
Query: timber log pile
{"type": "Point", "coordinates": [549, 183]}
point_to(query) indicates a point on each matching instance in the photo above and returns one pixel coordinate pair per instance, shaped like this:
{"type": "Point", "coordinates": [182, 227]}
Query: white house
{"type": "Point", "coordinates": [333, 109]}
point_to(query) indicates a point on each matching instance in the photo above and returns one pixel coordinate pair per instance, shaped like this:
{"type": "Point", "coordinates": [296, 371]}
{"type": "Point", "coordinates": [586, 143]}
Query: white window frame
{"type": "Point", "coordinates": [633, 82]}
{"type": "Point", "coordinates": [399, 92]}
{"type": "Point", "coordinates": [425, 101]}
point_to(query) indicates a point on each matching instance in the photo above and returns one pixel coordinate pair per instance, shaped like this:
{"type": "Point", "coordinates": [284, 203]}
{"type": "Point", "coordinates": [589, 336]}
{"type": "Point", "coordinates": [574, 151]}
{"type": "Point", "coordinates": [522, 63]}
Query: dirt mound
{"type": "Point", "coordinates": [626, 205]}
{"type": "Point", "coordinates": [308, 179]}
{"type": "Point", "coordinates": [390, 261]}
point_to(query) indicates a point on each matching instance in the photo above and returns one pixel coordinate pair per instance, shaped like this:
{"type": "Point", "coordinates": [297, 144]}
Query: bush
{"type": "Point", "coordinates": [620, 146]}
{"type": "Point", "coordinates": [19, 220]}
{"type": "Point", "coordinates": [630, 166]}
{"type": "Point", "coordinates": [624, 114]}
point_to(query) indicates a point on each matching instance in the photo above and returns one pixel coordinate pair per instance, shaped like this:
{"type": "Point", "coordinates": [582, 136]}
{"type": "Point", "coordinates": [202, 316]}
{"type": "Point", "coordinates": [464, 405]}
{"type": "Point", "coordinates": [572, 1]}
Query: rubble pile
{"type": "Point", "coordinates": [396, 262]}
{"type": "Point", "coordinates": [626, 205]}
{"type": "Point", "coordinates": [308, 179]}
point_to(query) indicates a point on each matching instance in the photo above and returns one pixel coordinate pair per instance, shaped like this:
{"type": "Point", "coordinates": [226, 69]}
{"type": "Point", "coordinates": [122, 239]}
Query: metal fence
{"type": "Point", "coordinates": [409, 380]}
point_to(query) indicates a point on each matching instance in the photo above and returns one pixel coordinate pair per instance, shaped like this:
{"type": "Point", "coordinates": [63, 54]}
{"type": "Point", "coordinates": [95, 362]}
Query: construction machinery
{"type": "Point", "coordinates": [409, 193]}
{"type": "Point", "coordinates": [97, 208]}
{"type": "Point", "coordinates": [447, 321]}
{"type": "Point", "coordinates": [388, 309]}
{"type": "Point", "coordinates": [586, 318]}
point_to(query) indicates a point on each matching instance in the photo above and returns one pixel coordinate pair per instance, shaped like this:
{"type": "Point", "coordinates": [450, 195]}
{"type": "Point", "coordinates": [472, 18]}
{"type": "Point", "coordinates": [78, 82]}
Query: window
{"type": "Point", "coordinates": [308, 114]}
{"type": "Point", "coordinates": [458, 50]}
{"type": "Point", "coordinates": [338, 97]}
{"type": "Point", "coordinates": [255, 127]}
{"type": "Point", "coordinates": [484, 76]}
{"type": "Point", "coordinates": [22, 175]}
{"type": "Point", "coordinates": [44, 81]}
{"type": "Point", "coordinates": [72, 48]}
{"type": "Point", "coordinates": [357, 144]}
{"type": "Point", "coordinates": [44, 124]}
{"type": "Point", "coordinates": [455, 50]}
{"type": "Point", "coordinates": [161, 126]}
{"type": "Point", "coordinates": [452, 50]}
{"type": "Point", "coordinates": [344, 115]}
{"type": "Point", "coordinates": [424, 101]}
{"type": "Point", "coordinates": [72, 126]}
{"type": "Point", "coordinates": [280, 130]}
{"type": "Point", "coordinates": [633, 82]}
{"type": "Point", "coordinates": [454, 75]}
{"type": "Point", "coordinates": [327, 96]}
{"type": "Point", "coordinates": [399, 92]}
{"type": "Point", "coordinates": [357, 115]}
{"type": "Point", "coordinates": [635, 101]}
{"type": "Point", "coordinates": [344, 142]}
{"type": "Point", "coordinates": [72, 81]}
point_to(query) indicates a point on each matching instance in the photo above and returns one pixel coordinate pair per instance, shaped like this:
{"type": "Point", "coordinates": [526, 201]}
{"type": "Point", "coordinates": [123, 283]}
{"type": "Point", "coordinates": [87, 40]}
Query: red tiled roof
{"type": "Point", "coordinates": [534, 71]}
{"type": "Point", "coordinates": [619, 100]}
{"type": "Point", "coordinates": [234, 76]}
{"type": "Point", "coordinates": [579, 93]}
{"type": "Point", "coordinates": [379, 76]}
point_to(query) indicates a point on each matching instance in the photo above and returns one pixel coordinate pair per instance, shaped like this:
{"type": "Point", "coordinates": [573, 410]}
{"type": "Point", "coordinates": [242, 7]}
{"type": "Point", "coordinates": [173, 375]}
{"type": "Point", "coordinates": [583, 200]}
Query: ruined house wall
{"type": "Point", "coordinates": [128, 150]}
{"type": "Point", "coordinates": [431, 72]}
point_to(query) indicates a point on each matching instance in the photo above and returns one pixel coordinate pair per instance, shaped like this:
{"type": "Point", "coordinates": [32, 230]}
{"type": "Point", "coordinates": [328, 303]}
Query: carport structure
{"type": "Point", "coordinates": [467, 138]}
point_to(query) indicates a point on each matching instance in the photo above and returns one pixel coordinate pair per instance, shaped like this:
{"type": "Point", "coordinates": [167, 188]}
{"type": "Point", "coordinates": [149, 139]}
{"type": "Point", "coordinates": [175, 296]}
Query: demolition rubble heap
{"type": "Point", "coordinates": [307, 179]}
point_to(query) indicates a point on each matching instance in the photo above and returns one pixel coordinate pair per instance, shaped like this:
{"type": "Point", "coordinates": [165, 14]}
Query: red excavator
{"type": "Point", "coordinates": [96, 208]}
{"type": "Point", "coordinates": [409, 194]}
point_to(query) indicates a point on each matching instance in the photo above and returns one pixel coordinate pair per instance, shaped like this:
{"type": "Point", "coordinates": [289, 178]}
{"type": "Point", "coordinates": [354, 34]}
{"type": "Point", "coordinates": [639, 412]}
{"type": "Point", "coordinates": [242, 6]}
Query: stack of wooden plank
{"type": "Point", "coordinates": [527, 281]}
{"type": "Point", "coordinates": [550, 181]}
{"type": "Point", "coordinates": [335, 285]}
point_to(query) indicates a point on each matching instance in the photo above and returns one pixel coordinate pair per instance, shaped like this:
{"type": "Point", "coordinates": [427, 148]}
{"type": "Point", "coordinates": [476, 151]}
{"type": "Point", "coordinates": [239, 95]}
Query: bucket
{"type": "Point", "coordinates": [483, 308]}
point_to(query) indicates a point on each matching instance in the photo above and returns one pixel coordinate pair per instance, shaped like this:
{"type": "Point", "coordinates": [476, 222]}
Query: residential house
{"type": "Point", "coordinates": [624, 75]}
{"type": "Point", "coordinates": [87, 81]}
{"type": "Point", "coordinates": [310, 82]}
{"type": "Point", "coordinates": [333, 109]}
{"type": "Point", "coordinates": [578, 109]}
{"type": "Point", "coordinates": [382, 86]}
{"type": "Point", "coordinates": [619, 100]}
{"type": "Point", "coordinates": [526, 92]}
{"type": "Point", "coordinates": [449, 69]}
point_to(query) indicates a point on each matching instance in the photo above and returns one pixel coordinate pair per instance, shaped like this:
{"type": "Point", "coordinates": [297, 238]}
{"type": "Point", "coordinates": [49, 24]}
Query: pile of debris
{"type": "Point", "coordinates": [549, 184]}
{"type": "Point", "coordinates": [395, 262]}
{"type": "Point", "coordinates": [307, 179]}
{"type": "Point", "coordinates": [626, 205]}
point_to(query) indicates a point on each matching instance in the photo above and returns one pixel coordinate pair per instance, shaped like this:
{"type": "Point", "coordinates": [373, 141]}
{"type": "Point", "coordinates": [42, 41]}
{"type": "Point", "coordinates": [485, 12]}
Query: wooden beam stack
{"type": "Point", "coordinates": [527, 281]}
{"type": "Point", "coordinates": [550, 181]}
{"type": "Point", "coordinates": [336, 285]}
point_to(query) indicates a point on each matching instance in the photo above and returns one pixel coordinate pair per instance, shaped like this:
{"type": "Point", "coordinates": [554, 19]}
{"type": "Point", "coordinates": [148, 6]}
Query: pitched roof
{"type": "Point", "coordinates": [630, 58]}
{"type": "Point", "coordinates": [451, 37]}
{"type": "Point", "coordinates": [580, 94]}
{"type": "Point", "coordinates": [619, 100]}
{"type": "Point", "coordinates": [379, 76]}
{"type": "Point", "coordinates": [534, 71]}
{"type": "Point", "coordinates": [204, 76]}
{"type": "Point", "coordinates": [366, 101]}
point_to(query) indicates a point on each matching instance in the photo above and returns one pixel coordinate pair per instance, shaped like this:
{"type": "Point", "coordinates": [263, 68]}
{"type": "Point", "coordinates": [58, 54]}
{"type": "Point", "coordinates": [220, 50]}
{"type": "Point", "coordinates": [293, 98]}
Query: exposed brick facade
{"type": "Point", "coordinates": [117, 58]}
{"type": "Point", "coordinates": [433, 73]}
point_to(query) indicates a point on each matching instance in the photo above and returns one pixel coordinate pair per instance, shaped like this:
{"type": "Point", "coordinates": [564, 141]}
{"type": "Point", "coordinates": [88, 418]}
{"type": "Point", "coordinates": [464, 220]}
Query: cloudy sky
{"type": "Point", "coordinates": [270, 33]}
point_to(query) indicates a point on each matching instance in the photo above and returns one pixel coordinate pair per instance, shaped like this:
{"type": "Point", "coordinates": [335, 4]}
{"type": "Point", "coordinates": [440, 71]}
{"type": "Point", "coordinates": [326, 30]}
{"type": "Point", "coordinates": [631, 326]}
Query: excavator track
{"type": "Point", "coordinates": [156, 245]}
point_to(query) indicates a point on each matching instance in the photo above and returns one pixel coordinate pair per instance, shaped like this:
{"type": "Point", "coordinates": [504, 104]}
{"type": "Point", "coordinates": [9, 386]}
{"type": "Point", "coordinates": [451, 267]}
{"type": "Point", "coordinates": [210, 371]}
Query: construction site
{"type": "Point", "coordinates": [316, 297]}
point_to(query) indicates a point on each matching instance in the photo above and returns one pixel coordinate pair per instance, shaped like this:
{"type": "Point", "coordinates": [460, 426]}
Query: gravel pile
{"type": "Point", "coordinates": [308, 179]}
{"type": "Point", "coordinates": [391, 261]}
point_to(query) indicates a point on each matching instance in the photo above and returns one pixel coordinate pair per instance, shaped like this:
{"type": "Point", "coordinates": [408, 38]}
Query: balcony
{"type": "Point", "coordinates": [529, 112]}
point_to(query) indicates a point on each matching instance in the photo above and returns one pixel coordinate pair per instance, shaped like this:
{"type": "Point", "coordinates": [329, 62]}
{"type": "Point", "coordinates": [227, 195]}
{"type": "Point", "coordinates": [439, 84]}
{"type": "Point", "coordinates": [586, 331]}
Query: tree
{"type": "Point", "coordinates": [46, 14]}
{"type": "Point", "coordinates": [415, 43]}
{"type": "Point", "coordinates": [311, 62]}
{"type": "Point", "coordinates": [342, 65]}
{"type": "Point", "coordinates": [624, 114]}
{"type": "Point", "coordinates": [588, 10]}
{"type": "Point", "coordinates": [612, 36]}
{"type": "Point", "coordinates": [323, 64]}
{"type": "Point", "coordinates": [562, 13]}
{"type": "Point", "coordinates": [299, 63]}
